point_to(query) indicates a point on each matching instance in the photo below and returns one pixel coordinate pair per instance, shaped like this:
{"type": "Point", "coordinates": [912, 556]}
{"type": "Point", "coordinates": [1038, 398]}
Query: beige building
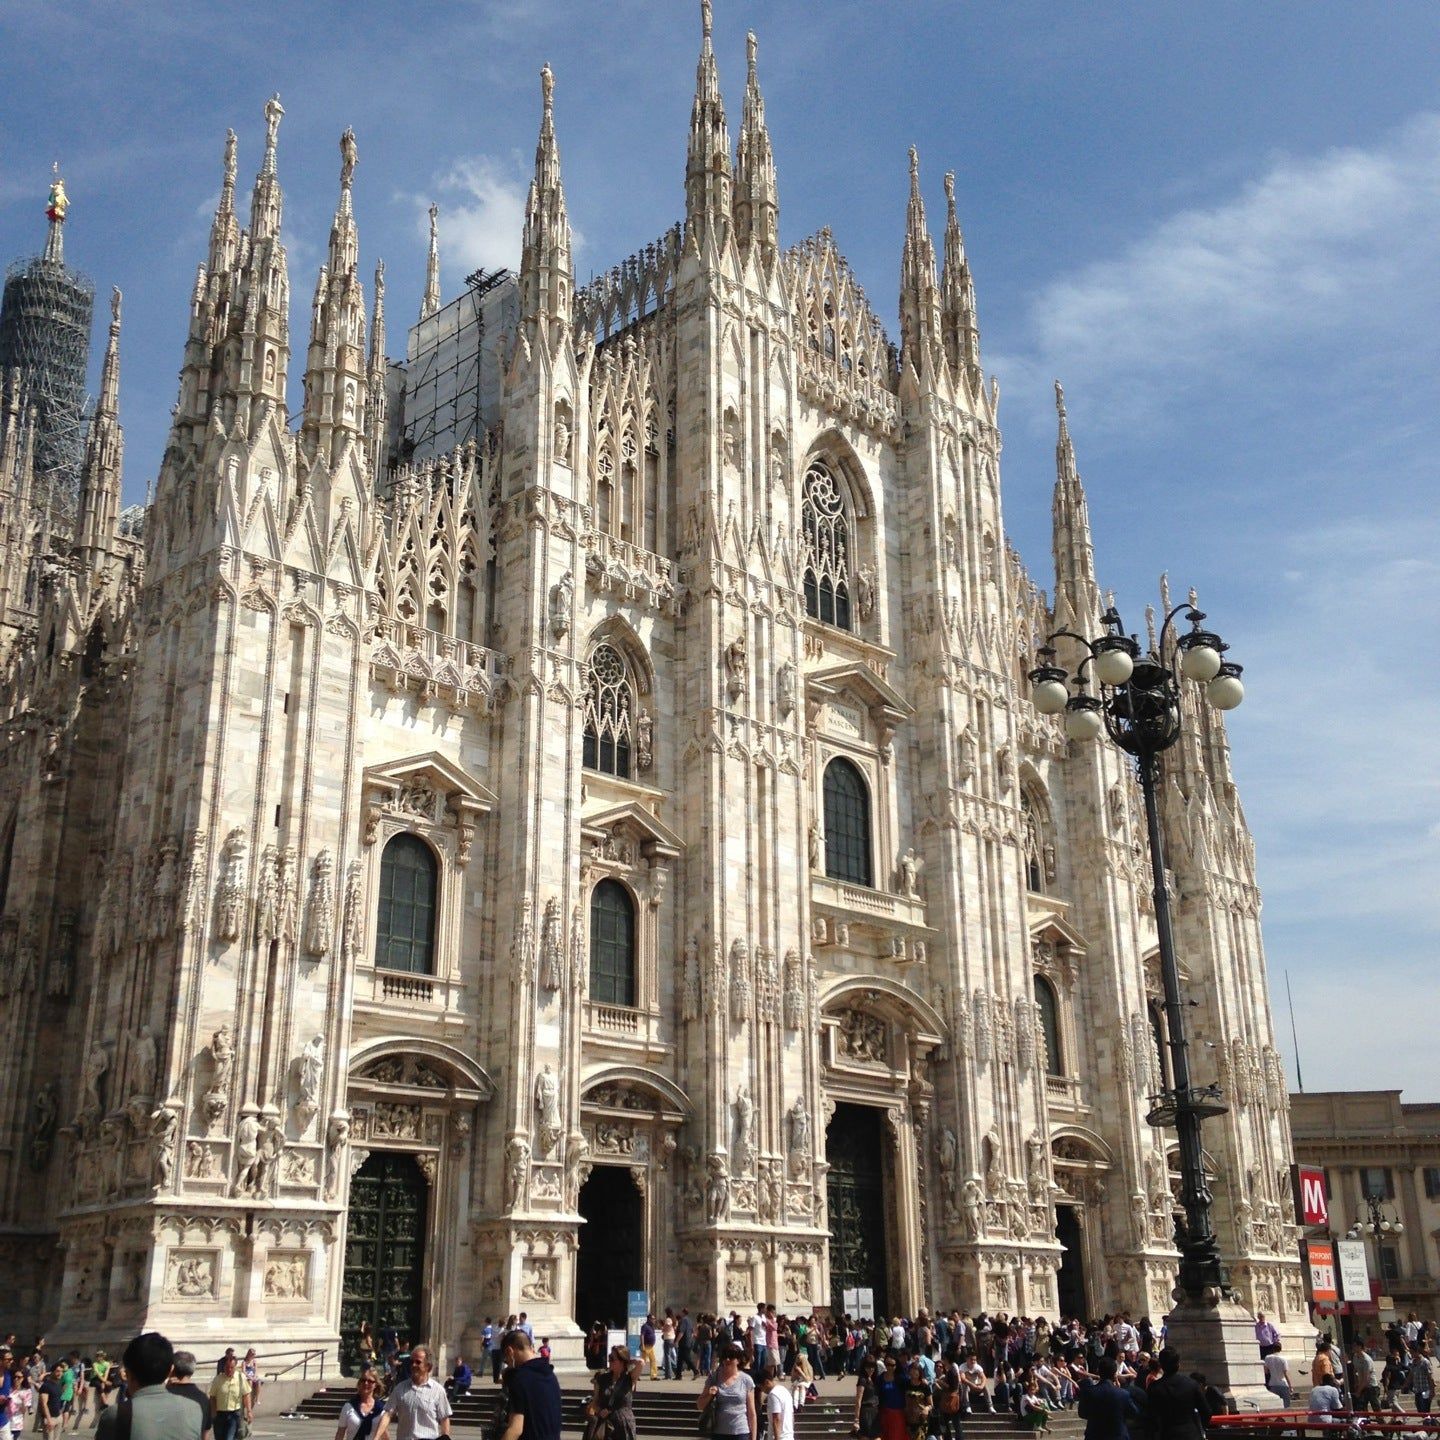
{"type": "Point", "coordinates": [1370, 1143]}
{"type": "Point", "coordinates": [617, 854]}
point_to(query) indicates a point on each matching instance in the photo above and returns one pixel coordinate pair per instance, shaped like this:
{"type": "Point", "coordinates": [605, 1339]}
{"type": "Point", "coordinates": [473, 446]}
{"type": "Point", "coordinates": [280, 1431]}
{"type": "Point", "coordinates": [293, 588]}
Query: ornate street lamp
{"type": "Point", "coordinates": [1138, 705]}
{"type": "Point", "coordinates": [1384, 1224]}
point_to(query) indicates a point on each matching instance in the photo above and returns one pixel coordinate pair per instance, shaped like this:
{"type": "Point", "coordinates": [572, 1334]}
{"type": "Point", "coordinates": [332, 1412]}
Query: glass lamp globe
{"type": "Point", "coordinates": [1083, 724]}
{"type": "Point", "coordinates": [1049, 697]}
{"type": "Point", "coordinates": [1225, 691]}
{"type": "Point", "coordinates": [1397, 1228]}
{"type": "Point", "coordinates": [1386, 1226]}
{"type": "Point", "coordinates": [1200, 662]}
{"type": "Point", "coordinates": [1114, 667]}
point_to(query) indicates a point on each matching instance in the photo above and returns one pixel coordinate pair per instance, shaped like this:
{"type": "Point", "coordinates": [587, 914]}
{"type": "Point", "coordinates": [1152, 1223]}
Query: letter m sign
{"type": "Point", "coordinates": [1311, 1205]}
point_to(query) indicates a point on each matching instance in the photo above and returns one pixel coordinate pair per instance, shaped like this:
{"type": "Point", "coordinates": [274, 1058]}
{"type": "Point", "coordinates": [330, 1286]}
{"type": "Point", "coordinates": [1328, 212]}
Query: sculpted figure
{"type": "Point", "coordinates": [972, 1210]}
{"type": "Point", "coordinates": [143, 1062]}
{"type": "Point", "coordinates": [547, 1109]}
{"type": "Point", "coordinates": [717, 1191]}
{"type": "Point", "coordinates": [949, 1159]}
{"type": "Point", "coordinates": [247, 1152]}
{"type": "Point", "coordinates": [97, 1062]}
{"type": "Point", "coordinates": [910, 866]}
{"type": "Point", "coordinates": [785, 688]}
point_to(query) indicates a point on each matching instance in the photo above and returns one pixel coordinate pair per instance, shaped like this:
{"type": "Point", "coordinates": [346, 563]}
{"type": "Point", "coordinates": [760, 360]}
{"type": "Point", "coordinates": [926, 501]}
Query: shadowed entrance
{"type": "Point", "coordinates": [855, 1148]}
{"type": "Point", "coordinates": [611, 1261]}
{"type": "Point", "coordinates": [1071, 1280]}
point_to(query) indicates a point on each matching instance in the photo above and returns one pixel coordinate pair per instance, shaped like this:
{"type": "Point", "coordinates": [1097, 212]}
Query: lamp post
{"type": "Point", "coordinates": [1138, 706]}
{"type": "Point", "coordinates": [1383, 1224]}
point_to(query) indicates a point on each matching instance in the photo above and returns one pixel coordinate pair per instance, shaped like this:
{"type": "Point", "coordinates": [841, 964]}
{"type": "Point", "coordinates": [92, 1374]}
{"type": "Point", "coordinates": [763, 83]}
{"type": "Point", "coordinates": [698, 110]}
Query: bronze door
{"type": "Point", "coordinates": [384, 1254]}
{"type": "Point", "coordinates": [855, 1186]}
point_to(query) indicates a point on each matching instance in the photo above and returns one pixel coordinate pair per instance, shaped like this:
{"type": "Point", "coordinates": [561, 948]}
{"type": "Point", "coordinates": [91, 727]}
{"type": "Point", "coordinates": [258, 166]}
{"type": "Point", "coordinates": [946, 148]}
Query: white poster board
{"type": "Point", "coordinates": [864, 1304]}
{"type": "Point", "coordinates": [850, 1300]}
{"type": "Point", "coordinates": [1354, 1270]}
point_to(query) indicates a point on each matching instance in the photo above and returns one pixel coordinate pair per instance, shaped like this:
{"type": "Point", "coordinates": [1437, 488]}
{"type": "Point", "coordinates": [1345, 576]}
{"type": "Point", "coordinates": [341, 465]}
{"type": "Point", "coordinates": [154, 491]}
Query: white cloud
{"type": "Point", "coordinates": [482, 215]}
{"type": "Point", "coordinates": [1315, 247]}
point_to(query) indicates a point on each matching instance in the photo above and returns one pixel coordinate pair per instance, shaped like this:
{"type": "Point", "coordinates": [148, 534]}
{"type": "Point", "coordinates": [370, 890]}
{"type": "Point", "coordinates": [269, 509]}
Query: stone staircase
{"type": "Point", "coordinates": [668, 1410]}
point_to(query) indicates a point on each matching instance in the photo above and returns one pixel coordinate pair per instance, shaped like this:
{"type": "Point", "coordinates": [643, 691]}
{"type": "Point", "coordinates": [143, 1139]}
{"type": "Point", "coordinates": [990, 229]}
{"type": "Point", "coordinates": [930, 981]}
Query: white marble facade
{"type": "Point", "coordinates": [294, 673]}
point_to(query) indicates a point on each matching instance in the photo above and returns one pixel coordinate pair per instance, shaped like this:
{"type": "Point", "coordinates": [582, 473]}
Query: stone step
{"type": "Point", "coordinates": [671, 1412]}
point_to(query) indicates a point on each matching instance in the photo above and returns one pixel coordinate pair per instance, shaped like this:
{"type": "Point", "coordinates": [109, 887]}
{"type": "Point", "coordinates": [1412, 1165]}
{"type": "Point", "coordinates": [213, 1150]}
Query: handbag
{"type": "Point", "coordinates": [950, 1402]}
{"type": "Point", "coordinates": [706, 1423]}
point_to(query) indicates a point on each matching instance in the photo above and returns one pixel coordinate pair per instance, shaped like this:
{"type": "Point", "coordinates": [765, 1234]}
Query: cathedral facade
{"type": "Point", "coordinates": [617, 854]}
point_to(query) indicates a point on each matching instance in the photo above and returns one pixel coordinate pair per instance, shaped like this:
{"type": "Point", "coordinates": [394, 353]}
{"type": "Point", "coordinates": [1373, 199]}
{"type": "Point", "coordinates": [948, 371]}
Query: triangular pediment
{"type": "Point", "coordinates": [863, 686]}
{"type": "Point", "coordinates": [436, 773]}
{"type": "Point", "coordinates": [1049, 923]}
{"type": "Point", "coordinates": [1058, 932]}
{"type": "Point", "coordinates": [635, 817]}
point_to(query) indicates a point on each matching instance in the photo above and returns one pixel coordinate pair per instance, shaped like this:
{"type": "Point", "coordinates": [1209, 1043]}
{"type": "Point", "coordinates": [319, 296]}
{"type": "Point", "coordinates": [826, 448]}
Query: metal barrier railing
{"type": "Point", "coordinates": [306, 1358]}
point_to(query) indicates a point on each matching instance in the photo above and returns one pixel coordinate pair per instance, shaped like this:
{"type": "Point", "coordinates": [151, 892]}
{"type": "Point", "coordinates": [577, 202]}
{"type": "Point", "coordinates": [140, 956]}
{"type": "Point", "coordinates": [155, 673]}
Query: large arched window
{"type": "Point", "coordinates": [1049, 1009]}
{"type": "Point", "coordinates": [405, 926]}
{"type": "Point", "coordinates": [612, 944]}
{"type": "Point", "coordinates": [847, 824]}
{"type": "Point", "coordinates": [609, 713]}
{"type": "Point", "coordinates": [827, 547]}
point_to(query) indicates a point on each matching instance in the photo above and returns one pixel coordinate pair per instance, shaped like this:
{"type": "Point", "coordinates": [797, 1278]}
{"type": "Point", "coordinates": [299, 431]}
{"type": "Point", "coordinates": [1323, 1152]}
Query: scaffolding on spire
{"type": "Point", "coordinates": [45, 318]}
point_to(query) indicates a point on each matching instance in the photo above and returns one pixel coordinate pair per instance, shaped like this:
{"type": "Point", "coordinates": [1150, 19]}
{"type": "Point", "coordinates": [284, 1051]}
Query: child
{"type": "Point", "coordinates": [1034, 1412]}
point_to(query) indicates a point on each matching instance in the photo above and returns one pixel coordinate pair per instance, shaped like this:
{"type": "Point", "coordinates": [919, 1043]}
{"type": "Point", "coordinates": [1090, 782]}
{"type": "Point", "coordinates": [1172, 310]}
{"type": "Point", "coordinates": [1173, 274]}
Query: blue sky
{"type": "Point", "coordinates": [1219, 225]}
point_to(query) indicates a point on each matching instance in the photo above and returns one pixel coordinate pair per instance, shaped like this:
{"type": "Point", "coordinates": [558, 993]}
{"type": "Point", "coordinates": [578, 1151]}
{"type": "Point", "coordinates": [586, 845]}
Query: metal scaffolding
{"type": "Point", "coordinates": [45, 334]}
{"type": "Point", "coordinates": [454, 367]}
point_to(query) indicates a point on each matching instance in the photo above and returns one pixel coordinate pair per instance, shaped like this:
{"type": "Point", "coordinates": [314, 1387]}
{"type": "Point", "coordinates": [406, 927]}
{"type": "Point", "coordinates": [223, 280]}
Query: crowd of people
{"type": "Point", "coordinates": [914, 1379]}
{"type": "Point", "coordinates": [1350, 1378]}
{"type": "Point", "coordinates": [55, 1395]}
{"type": "Point", "coordinates": [918, 1378]}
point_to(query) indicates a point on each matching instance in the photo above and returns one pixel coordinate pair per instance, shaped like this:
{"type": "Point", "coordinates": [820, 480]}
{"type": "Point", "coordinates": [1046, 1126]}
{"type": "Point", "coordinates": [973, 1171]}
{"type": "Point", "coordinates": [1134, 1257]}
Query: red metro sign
{"type": "Point", "coordinates": [1311, 1205]}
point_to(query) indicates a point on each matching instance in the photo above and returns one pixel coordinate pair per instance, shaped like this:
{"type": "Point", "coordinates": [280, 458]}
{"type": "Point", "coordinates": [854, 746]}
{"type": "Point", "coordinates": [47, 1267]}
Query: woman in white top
{"type": "Point", "coordinates": [359, 1414]}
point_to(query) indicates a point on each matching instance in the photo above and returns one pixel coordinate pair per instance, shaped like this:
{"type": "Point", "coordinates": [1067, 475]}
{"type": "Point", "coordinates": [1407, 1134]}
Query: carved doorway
{"type": "Point", "coordinates": [855, 1149]}
{"type": "Point", "coordinates": [611, 1261]}
{"type": "Point", "coordinates": [384, 1253]}
{"type": "Point", "coordinates": [1071, 1280]}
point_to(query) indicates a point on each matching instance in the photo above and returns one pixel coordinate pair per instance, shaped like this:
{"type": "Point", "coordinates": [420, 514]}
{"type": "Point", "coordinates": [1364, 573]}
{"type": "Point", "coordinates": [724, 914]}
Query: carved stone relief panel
{"type": "Point", "coordinates": [287, 1276]}
{"type": "Point", "coordinates": [192, 1274]}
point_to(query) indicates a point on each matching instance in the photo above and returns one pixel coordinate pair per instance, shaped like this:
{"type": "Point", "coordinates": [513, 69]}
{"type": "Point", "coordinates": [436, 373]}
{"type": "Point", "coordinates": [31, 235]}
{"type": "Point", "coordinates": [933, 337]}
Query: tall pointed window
{"type": "Point", "coordinates": [827, 547]}
{"type": "Point", "coordinates": [1049, 1025]}
{"type": "Point", "coordinates": [612, 944]}
{"type": "Point", "coordinates": [405, 925]}
{"type": "Point", "coordinates": [847, 824]}
{"type": "Point", "coordinates": [609, 713]}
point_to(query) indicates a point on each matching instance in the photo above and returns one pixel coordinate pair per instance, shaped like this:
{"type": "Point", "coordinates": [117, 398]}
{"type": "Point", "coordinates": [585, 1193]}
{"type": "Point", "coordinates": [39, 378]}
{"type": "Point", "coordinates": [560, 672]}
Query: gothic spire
{"type": "Point", "coordinates": [377, 408]}
{"type": "Point", "coordinates": [266, 199]}
{"type": "Point", "coordinates": [377, 322]}
{"type": "Point", "coordinates": [957, 289]}
{"type": "Point", "coordinates": [757, 203]}
{"type": "Point", "coordinates": [336, 379]}
{"type": "Point", "coordinates": [1077, 598]}
{"type": "Point", "coordinates": [430, 301]}
{"type": "Point", "coordinates": [547, 278]}
{"type": "Point", "coordinates": [104, 448]}
{"type": "Point", "coordinates": [344, 245]}
{"type": "Point", "coordinates": [224, 228]}
{"type": "Point", "coordinates": [919, 311]}
{"type": "Point", "coordinates": [707, 163]}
